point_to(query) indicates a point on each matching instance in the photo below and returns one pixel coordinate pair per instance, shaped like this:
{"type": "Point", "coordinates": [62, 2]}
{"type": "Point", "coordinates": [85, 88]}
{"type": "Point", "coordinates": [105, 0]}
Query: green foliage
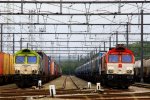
{"type": "Point", "coordinates": [68, 67]}
{"type": "Point", "coordinates": [136, 48]}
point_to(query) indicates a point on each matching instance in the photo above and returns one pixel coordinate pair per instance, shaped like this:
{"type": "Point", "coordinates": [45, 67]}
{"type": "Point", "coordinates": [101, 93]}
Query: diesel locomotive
{"type": "Point", "coordinates": [114, 68]}
{"type": "Point", "coordinates": [31, 66]}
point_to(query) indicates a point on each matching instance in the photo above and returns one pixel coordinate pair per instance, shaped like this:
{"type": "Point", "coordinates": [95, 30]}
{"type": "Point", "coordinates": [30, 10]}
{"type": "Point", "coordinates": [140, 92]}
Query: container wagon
{"type": "Point", "coordinates": [6, 68]}
{"type": "Point", "coordinates": [55, 69]}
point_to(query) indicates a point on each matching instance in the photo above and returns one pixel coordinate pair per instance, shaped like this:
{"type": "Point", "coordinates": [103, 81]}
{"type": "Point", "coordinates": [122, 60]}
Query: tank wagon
{"type": "Point", "coordinates": [146, 70]}
{"type": "Point", "coordinates": [31, 66]}
{"type": "Point", "coordinates": [6, 68]}
{"type": "Point", "coordinates": [113, 68]}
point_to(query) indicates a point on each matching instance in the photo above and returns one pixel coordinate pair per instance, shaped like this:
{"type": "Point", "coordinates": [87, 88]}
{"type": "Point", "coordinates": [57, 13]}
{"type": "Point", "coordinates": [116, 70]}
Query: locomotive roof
{"type": "Point", "coordinates": [120, 49]}
{"type": "Point", "coordinates": [26, 51]}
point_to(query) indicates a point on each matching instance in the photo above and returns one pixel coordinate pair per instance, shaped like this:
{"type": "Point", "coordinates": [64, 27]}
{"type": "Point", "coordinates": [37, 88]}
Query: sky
{"type": "Point", "coordinates": [75, 19]}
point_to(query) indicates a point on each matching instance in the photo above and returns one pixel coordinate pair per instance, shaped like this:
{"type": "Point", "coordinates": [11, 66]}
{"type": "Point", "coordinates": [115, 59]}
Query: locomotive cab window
{"type": "Point", "coordinates": [20, 59]}
{"type": "Point", "coordinates": [113, 58]}
{"type": "Point", "coordinates": [126, 58]}
{"type": "Point", "coordinates": [32, 59]}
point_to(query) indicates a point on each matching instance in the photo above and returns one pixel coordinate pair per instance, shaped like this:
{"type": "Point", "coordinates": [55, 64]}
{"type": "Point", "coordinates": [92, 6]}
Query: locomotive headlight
{"type": "Point", "coordinates": [129, 71]}
{"type": "Point", "coordinates": [17, 71]}
{"type": "Point", "coordinates": [34, 71]}
{"type": "Point", "coordinates": [110, 71]}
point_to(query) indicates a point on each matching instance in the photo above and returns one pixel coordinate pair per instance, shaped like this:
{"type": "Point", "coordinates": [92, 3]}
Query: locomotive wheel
{"type": "Point", "coordinates": [126, 87]}
{"type": "Point", "coordinates": [20, 85]}
{"type": "Point", "coordinates": [1, 81]}
{"type": "Point", "coordinates": [103, 82]}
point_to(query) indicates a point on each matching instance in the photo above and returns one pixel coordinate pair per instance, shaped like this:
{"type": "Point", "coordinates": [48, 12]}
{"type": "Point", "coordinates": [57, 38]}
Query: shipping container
{"type": "Point", "coordinates": [44, 59]}
{"type": "Point", "coordinates": [6, 68]}
{"type": "Point", "coordinates": [1, 62]}
{"type": "Point", "coordinates": [6, 64]}
{"type": "Point", "coordinates": [52, 68]}
{"type": "Point", "coordinates": [12, 69]}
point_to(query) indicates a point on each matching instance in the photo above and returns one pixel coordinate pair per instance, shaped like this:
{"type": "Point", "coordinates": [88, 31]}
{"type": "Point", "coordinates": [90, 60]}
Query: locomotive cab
{"type": "Point", "coordinates": [119, 67]}
{"type": "Point", "coordinates": [26, 62]}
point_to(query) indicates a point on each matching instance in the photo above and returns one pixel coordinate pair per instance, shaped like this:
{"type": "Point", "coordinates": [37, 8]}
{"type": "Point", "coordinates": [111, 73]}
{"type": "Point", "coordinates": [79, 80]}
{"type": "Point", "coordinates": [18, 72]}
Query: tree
{"type": "Point", "coordinates": [136, 48]}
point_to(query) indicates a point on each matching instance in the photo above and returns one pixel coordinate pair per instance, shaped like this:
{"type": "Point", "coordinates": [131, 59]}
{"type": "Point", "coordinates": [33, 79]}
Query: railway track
{"type": "Point", "coordinates": [74, 83]}
{"type": "Point", "coordinates": [143, 85]}
{"type": "Point", "coordinates": [13, 92]}
{"type": "Point", "coordinates": [64, 83]}
{"type": "Point", "coordinates": [69, 79]}
{"type": "Point", "coordinates": [67, 92]}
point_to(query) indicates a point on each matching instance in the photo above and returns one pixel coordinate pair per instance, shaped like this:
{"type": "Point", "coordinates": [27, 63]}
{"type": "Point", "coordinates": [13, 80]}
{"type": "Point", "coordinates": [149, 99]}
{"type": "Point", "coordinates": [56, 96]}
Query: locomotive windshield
{"type": "Point", "coordinates": [126, 58]}
{"type": "Point", "coordinates": [32, 59]}
{"type": "Point", "coordinates": [20, 59]}
{"type": "Point", "coordinates": [113, 58]}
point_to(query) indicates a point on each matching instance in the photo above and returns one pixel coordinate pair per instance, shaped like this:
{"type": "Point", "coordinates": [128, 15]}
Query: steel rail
{"type": "Point", "coordinates": [144, 85]}
{"type": "Point", "coordinates": [74, 82]}
{"type": "Point", "coordinates": [64, 83]}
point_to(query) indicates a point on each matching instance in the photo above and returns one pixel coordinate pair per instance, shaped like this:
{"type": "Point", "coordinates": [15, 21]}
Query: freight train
{"type": "Point", "coordinates": [6, 68]}
{"type": "Point", "coordinates": [114, 68]}
{"type": "Point", "coordinates": [31, 66]}
{"type": "Point", "coordinates": [146, 70]}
